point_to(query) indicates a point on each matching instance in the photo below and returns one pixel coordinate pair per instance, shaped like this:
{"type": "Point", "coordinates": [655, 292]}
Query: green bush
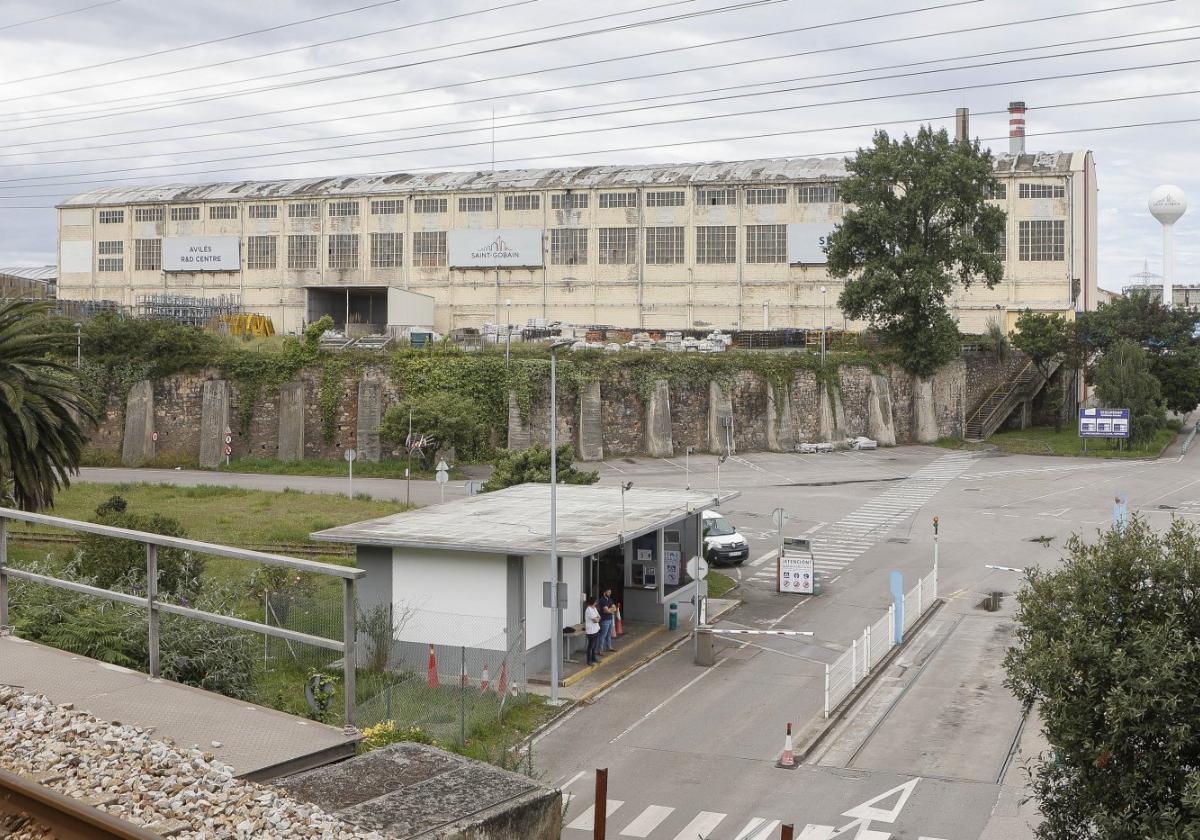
{"type": "Point", "coordinates": [452, 419]}
{"type": "Point", "coordinates": [386, 732]}
{"type": "Point", "coordinates": [115, 563]}
{"type": "Point", "coordinates": [513, 467]}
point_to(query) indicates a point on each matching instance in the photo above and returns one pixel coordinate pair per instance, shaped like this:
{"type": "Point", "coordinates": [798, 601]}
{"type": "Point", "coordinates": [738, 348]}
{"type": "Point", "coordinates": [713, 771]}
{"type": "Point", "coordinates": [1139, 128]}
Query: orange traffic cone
{"type": "Point", "coordinates": [618, 625]}
{"type": "Point", "coordinates": [483, 681]}
{"type": "Point", "coordinates": [502, 686]}
{"type": "Point", "coordinates": [788, 760]}
{"type": "Point", "coordinates": [433, 678]}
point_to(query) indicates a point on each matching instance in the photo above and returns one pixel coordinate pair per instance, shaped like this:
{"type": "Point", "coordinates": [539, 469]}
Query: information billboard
{"type": "Point", "coordinates": [806, 243]}
{"type": "Point", "coordinates": [491, 248]}
{"type": "Point", "coordinates": [201, 253]}
{"type": "Point", "coordinates": [1104, 422]}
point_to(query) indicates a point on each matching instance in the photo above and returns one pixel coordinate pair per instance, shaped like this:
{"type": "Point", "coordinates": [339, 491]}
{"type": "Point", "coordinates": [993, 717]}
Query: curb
{"type": "Point", "coordinates": [814, 734]}
{"type": "Point", "coordinates": [583, 672]}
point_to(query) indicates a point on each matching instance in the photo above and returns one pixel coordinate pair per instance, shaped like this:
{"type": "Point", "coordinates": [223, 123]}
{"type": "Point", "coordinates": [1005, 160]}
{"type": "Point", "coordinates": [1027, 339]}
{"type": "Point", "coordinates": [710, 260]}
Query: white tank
{"type": "Point", "coordinates": [1168, 204]}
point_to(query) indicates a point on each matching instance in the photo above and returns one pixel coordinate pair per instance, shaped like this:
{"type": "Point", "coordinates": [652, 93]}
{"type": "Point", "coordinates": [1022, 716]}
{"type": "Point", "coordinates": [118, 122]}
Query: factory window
{"type": "Point", "coordinates": [304, 211]}
{"type": "Point", "coordinates": [523, 201]}
{"type": "Point", "coordinates": [112, 217]}
{"type": "Point", "coordinates": [147, 253]}
{"type": "Point", "coordinates": [387, 250]}
{"type": "Point", "coordinates": [111, 264]}
{"type": "Point", "coordinates": [1041, 191]}
{"type": "Point", "coordinates": [568, 246]}
{"type": "Point", "coordinates": [387, 207]}
{"type": "Point", "coordinates": [343, 250]}
{"type": "Point", "coordinates": [148, 214]}
{"type": "Point", "coordinates": [429, 205]}
{"type": "Point", "coordinates": [302, 250]}
{"type": "Point", "coordinates": [817, 193]}
{"type": "Point", "coordinates": [343, 208]}
{"type": "Point", "coordinates": [1042, 241]}
{"type": "Point", "coordinates": [223, 211]}
{"type": "Point", "coordinates": [716, 244]}
{"type": "Point", "coordinates": [110, 248]}
{"type": "Point", "coordinates": [263, 211]}
{"type": "Point", "coordinates": [996, 190]}
{"type": "Point", "coordinates": [1002, 248]}
{"type": "Point", "coordinates": [716, 195]}
{"type": "Point", "coordinates": [475, 204]}
{"type": "Point", "coordinates": [185, 214]}
{"type": "Point", "coordinates": [766, 195]}
{"type": "Point", "coordinates": [568, 201]}
{"type": "Point", "coordinates": [618, 199]}
{"type": "Point", "coordinates": [429, 246]}
{"type": "Point", "coordinates": [766, 243]}
{"type": "Point", "coordinates": [664, 245]}
{"type": "Point", "coordinates": [260, 251]}
{"type": "Point", "coordinates": [618, 246]}
{"type": "Point", "coordinates": [669, 198]}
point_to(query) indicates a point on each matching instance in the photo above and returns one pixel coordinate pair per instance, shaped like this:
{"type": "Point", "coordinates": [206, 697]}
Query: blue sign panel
{"type": "Point", "coordinates": [1104, 422]}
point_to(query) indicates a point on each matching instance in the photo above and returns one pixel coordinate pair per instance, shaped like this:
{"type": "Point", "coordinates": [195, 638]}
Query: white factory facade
{"type": "Point", "coordinates": [690, 246]}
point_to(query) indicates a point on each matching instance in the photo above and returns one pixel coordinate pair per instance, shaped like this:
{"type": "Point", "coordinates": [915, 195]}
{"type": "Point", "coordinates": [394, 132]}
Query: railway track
{"type": "Point", "coordinates": [65, 817]}
{"type": "Point", "coordinates": [272, 548]}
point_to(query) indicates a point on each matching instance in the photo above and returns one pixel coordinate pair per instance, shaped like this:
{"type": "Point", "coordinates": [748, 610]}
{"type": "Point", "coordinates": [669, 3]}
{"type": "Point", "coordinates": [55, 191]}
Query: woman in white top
{"type": "Point", "coordinates": [591, 626]}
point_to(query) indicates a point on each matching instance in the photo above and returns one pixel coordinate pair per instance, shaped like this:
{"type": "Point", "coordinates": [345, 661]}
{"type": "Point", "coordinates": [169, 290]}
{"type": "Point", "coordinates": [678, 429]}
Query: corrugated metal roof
{"type": "Point", "coordinates": [766, 170]}
{"type": "Point", "coordinates": [41, 273]}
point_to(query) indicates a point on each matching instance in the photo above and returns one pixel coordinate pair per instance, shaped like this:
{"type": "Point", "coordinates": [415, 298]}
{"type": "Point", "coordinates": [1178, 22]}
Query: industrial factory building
{"type": "Point", "coordinates": [678, 247]}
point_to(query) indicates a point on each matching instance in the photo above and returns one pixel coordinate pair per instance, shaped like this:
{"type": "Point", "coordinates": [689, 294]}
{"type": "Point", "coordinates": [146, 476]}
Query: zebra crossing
{"type": "Point", "coordinates": [843, 542]}
{"type": "Point", "coordinates": [650, 818]}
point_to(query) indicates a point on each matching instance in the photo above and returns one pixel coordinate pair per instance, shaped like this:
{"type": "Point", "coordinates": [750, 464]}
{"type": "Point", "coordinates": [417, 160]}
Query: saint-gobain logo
{"type": "Point", "coordinates": [1167, 201]}
{"type": "Point", "coordinates": [496, 249]}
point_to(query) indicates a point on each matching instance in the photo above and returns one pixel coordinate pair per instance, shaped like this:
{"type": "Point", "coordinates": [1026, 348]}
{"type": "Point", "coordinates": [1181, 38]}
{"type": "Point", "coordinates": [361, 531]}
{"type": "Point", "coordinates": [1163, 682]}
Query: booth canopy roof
{"type": "Point", "coordinates": [516, 520]}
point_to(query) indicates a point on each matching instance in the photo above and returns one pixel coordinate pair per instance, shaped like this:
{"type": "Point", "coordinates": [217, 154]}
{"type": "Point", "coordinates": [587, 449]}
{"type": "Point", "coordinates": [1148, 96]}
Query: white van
{"type": "Point", "coordinates": [723, 542]}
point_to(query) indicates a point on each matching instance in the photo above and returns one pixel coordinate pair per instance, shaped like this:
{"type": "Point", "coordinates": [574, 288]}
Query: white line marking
{"type": "Point", "coordinates": [657, 708]}
{"type": "Point", "coordinates": [612, 467]}
{"type": "Point", "coordinates": [587, 820]}
{"type": "Point", "coordinates": [770, 555]}
{"type": "Point", "coordinates": [700, 826]}
{"type": "Point", "coordinates": [779, 620]}
{"type": "Point", "coordinates": [647, 821]}
{"type": "Point", "coordinates": [574, 779]}
{"type": "Point", "coordinates": [816, 528]}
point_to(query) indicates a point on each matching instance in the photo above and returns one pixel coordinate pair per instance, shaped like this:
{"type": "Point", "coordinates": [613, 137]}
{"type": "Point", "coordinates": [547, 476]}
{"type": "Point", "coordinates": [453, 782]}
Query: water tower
{"type": "Point", "coordinates": [1167, 204]}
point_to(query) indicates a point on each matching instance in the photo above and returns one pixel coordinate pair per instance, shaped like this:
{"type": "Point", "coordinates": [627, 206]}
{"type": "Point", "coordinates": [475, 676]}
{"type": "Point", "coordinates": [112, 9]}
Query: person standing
{"type": "Point", "coordinates": [591, 626]}
{"type": "Point", "coordinates": [608, 611]}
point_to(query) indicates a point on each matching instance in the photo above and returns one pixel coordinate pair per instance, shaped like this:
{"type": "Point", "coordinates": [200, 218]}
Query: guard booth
{"type": "Point", "coordinates": [481, 561]}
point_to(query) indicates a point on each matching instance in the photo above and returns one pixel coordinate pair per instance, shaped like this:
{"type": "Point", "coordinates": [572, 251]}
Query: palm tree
{"type": "Point", "coordinates": [42, 411]}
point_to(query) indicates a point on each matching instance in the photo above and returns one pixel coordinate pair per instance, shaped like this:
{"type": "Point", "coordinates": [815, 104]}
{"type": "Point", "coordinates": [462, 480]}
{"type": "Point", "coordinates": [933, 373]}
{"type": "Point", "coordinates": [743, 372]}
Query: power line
{"type": "Point", "coordinates": [574, 66]}
{"type": "Point", "coordinates": [59, 14]}
{"type": "Point", "coordinates": [708, 91]}
{"type": "Point", "coordinates": [315, 45]}
{"type": "Point", "coordinates": [487, 51]}
{"type": "Point", "coordinates": [704, 118]}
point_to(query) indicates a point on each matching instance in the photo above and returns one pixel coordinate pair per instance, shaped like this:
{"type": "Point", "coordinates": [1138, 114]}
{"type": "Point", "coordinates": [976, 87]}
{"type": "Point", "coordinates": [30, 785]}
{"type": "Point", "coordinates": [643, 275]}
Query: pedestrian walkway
{"type": "Point", "coordinates": [675, 824]}
{"type": "Point", "coordinates": [843, 542]}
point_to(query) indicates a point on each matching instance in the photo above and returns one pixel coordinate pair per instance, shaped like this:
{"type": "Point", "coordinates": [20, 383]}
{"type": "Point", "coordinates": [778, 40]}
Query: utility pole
{"type": "Point", "coordinates": [408, 469]}
{"type": "Point", "coordinates": [555, 609]}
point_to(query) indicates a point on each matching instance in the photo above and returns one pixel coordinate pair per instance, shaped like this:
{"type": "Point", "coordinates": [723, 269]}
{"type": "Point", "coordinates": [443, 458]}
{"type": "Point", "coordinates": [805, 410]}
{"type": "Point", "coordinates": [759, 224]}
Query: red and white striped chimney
{"type": "Point", "coordinates": [1016, 128]}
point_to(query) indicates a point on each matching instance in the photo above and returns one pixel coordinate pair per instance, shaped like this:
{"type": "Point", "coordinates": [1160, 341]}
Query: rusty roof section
{"type": "Point", "coordinates": [763, 171]}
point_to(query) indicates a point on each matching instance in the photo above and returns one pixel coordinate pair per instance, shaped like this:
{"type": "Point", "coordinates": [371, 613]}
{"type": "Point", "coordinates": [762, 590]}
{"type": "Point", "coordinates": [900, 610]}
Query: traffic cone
{"type": "Point", "coordinates": [788, 760]}
{"type": "Point", "coordinates": [502, 686]}
{"type": "Point", "coordinates": [433, 678]}
{"type": "Point", "coordinates": [483, 681]}
{"type": "Point", "coordinates": [618, 625]}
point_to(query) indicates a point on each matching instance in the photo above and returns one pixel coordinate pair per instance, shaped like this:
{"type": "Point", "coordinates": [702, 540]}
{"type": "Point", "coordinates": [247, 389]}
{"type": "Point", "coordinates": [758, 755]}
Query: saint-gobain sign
{"type": "Point", "coordinates": [806, 243]}
{"type": "Point", "coordinates": [201, 253]}
{"type": "Point", "coordinates": [495, 248]}
{"type": "Point", "coordinates": [1104, 422]}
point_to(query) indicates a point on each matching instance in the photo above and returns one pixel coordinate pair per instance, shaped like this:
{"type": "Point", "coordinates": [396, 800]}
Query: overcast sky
{"type": "Point", "coordinates": [122, 92]}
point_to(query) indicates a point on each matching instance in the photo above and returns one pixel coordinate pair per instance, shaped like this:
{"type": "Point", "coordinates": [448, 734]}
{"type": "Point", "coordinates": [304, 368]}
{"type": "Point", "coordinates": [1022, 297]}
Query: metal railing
{"type": "Point", "coordinates": [67, 818]}
{"type": "Point", "coordinates": [869, 649]}
{"type": "Point", "coordinates": [155, 607]}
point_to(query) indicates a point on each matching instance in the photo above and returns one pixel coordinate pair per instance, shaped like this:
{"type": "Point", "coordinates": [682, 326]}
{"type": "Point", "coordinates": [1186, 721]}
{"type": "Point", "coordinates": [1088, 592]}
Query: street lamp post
{"type": "Point", "coordinates": [555, 610]}
{"type": "Point", "coordinates": [624, 488]}
{"type": "Point", "coordinates": [823, 291]}
{"type": "Point", "coordinates": [78, 344]}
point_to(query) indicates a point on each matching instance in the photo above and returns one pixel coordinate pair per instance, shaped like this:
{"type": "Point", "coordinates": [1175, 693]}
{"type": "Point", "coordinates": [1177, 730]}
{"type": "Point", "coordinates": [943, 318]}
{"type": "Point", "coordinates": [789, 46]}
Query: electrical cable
{"type": "Point", "coordinates": [623, 127]}
{"type": "Point", "coordinates": [488, 51]}
{"type": "Point", "coordinates": [525, 122]}
{"type": "Point", "coordinates": [59, 14]}
{"type": "Point", "coordinates": [574, 66]}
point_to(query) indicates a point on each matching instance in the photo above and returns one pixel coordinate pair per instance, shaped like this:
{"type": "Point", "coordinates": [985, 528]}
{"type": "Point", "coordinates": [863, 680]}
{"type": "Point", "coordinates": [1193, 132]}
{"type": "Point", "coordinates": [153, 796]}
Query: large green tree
{"type": "Point", "coordinates": [452, 419]}
{"type": "Point", "coordinates": [1048, 339]}
{"type": "Point", "coordinates": [42, 409]}
{"type": "Point", "coordinates": [1107, 649]}
{"type": "Point", "coordinates": [1123, 380]}
{"type": "Point", "coordinates": [917, 225]}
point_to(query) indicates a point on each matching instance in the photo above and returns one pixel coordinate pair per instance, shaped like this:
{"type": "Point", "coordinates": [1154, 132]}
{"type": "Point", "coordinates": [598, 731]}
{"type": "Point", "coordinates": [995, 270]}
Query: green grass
{"type": "Point", "coordinates": [1045, 441]}
{"type": "Point", "coordinates": [387, 468]}
{"type": "Point", "coordinates": [719, 584]}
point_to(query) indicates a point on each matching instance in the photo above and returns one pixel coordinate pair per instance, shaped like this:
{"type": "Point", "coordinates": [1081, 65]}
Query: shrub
{"type": "Point", "coordinates": [115, 563]}
{"type": "Point", "coordinates": [386, 732]}
{"type": "Point", "coordinates": [454, 420]}
{"type": "Point", "coordinates": [513, 467]}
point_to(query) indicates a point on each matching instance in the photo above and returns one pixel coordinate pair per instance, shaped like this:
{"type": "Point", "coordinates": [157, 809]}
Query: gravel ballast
{"type": "Point", "coordinates": [174, 792]}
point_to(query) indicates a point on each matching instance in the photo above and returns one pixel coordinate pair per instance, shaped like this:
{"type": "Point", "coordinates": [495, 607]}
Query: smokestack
{"type": "Point", "coordinates": [1016, 128]}
{"type": "Point", "coordinates": [962, 124]}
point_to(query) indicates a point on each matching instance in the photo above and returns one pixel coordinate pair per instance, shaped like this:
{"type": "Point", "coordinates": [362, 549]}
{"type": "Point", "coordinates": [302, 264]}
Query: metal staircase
{"type": "Point", "coordinates": [995, 408]}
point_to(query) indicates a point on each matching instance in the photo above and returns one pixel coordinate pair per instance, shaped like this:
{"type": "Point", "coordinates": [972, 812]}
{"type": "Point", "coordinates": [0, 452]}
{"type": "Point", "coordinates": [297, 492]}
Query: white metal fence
{"type": "Point", "coordinates": [869, 649]}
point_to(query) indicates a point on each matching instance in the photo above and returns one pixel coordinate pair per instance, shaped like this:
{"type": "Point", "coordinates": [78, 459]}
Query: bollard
{"type": "Point", "coordinates": [600, 821]}
{"type": "Point", "coordinates": [706, 653]}
{"type": "Point", "coordinates": [786, 831]}
{"type": "Point", "coordinates": [673, 616]}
